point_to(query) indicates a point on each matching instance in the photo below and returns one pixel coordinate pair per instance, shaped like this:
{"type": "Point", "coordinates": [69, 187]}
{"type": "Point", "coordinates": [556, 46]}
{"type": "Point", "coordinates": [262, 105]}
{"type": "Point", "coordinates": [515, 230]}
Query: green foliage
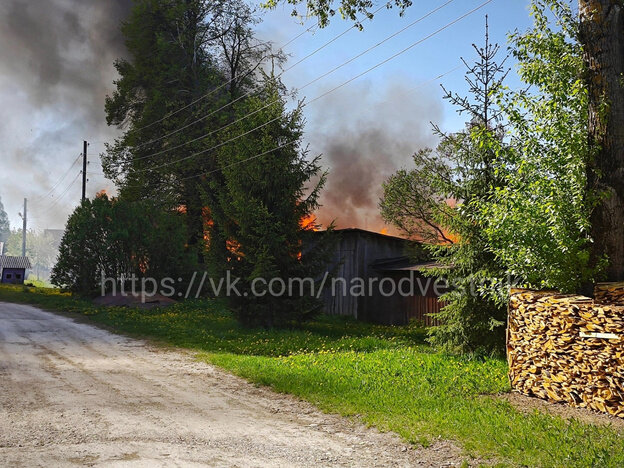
{"type": "Point", "coordinates": [324, 10]}
{"type": "Point", "coordinates": [262, 202]}
{"type": "Point", "coordinates": [384, 375]}
{"type": "Point", "coordinates": [437, 202]}
{"type": "Point", "coordinates": [5, 227]}
{"type": "Point", "coordinates": [537, 220]}
{"type": "Point", "coordinates": [115, 238]}
{"type": "Point", "coordinates": [518, 176]}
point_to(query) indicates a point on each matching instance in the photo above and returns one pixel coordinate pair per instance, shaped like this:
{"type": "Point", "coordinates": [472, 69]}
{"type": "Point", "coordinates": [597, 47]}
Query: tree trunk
{"type": "Point", "coordinates": [602, 37]}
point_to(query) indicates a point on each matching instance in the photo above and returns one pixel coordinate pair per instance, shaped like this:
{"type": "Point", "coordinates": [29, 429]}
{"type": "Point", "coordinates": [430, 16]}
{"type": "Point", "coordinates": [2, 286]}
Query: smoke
{"type": "Point", "coordinates": [365, 136]}
{"type": "Point", "coordinates": [56, 67]}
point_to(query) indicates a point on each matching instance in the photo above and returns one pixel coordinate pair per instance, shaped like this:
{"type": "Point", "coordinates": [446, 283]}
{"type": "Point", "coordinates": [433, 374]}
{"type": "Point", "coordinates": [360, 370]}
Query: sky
{"type": "Point", "coordinates": [56, 67]}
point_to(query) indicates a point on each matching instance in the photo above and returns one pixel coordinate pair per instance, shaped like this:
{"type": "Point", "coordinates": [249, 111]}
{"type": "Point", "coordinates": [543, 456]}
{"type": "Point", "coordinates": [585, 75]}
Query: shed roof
{"type": "Point", "coordinates": [402, 264]}
{"type": "Point", "coordinates": [14, 262]}
{"type": "Point", "coordinates": [369, 233]}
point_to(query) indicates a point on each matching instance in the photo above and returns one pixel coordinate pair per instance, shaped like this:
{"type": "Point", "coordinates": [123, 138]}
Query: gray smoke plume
{"type": "Point", "coordinates": [365, 135]}
{"type": "Point", "coordinates": [56, 67]}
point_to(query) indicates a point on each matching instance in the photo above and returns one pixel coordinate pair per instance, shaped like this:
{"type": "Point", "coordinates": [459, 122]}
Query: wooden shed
{"type": "Point", "coordinates": [13, 269]}
{"type": "Point", "coordinates": [376, 261]}
{"type": "Point", "coordinates": [423, 300]}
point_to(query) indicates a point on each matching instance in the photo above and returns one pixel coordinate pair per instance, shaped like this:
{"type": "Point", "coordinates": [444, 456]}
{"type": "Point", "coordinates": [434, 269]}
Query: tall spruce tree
{"type": "Point", "coordinates": [438, 202]}
{"type": "Point", "coordinates": [176, 61]}
{"type": "Point", "coordinates": [267, 194]}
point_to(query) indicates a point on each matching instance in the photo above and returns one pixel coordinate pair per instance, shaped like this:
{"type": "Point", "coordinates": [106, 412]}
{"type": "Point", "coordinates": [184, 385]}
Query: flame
{"type": "Point", "coordinates": [101, 193]}
{"type": "Point", "coordinates": [308, 223]}
{"type": "Point", "coordinates": [234, 247]}
{"type": "Point", "coordinates": [384, 231]}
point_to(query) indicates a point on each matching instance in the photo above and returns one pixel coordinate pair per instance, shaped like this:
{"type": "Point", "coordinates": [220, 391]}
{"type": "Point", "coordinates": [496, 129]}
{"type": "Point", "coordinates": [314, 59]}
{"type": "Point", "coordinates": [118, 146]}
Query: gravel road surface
{"type": "Point", "coordinates": [72, 394]}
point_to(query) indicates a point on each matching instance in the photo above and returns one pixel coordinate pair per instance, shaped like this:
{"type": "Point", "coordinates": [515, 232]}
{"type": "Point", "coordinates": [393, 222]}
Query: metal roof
{"type": "Point", "coordinates": [14, 262]}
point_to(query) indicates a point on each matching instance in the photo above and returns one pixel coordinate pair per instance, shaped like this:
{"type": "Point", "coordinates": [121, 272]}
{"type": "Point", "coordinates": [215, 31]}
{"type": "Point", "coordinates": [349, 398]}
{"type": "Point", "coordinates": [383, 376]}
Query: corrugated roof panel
{"type": "Point", "coordinates": [14, 262]}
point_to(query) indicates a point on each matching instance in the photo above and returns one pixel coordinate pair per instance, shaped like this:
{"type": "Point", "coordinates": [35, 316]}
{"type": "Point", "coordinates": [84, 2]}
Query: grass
{"type": "Point", "coordinates": [387, 376]}
{"type": "Point", "coordinates": [38, 283]}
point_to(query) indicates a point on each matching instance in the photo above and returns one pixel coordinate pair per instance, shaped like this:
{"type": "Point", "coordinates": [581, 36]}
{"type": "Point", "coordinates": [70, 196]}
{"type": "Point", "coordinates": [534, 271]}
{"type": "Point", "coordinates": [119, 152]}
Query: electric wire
{"type": "Point", "coordinates": [229, 103]}
{"type": "Point", "coordinates": [212, 132]}
{"type": "Point", "coordinates": [439, 30]}
{"type": "Point", "coordinates": [60, 197]}
{"type": "Point", "coordinates": [39, 197]}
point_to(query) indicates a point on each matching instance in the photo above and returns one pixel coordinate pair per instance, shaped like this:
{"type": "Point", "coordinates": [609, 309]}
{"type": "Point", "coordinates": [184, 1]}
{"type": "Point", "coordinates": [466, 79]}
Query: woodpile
{"type": "Point", "coordinates": [609, 293]}
{"type": "Point", "coordinates": [568, 348]}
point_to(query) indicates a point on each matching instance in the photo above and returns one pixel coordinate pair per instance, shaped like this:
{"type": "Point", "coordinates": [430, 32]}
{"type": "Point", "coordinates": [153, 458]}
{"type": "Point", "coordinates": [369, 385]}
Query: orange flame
{"type": "Point", "coordinates": [308, 223]}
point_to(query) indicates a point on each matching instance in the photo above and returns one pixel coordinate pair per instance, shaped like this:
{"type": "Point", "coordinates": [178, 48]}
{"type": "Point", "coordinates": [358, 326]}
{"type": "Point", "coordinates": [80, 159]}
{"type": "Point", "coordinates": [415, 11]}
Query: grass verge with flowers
{"type": "Point", "coordinates": [387, 376]}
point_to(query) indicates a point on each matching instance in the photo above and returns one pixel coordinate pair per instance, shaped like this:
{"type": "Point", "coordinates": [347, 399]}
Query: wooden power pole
{"type": "Point", "coordinates": [84, 170]}
{"type": "Point", "coordinates": [24, 226]}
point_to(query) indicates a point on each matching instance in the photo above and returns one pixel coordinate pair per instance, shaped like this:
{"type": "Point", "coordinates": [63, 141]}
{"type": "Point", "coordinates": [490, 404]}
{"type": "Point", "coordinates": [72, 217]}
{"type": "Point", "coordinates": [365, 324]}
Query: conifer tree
{"type": "Point", "coordinates": [267, 195]}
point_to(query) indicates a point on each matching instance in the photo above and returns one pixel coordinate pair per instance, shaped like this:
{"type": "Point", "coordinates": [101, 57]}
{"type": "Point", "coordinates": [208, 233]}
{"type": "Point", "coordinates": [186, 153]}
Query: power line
{"type": "Point", "coordinates": [403, 50]}
{"type": "Point", "coordinates": [212, 132]}
{"type": "Point", "coordinates": [60, 197]}
{"type": "Point", "coordinates": [419, 85]}
{"type": "Point", "coordinates": [290, 143]}
{"type": "Point", "coordinates": [59, 181]}
{"type": "Point", "coordinates": [383, 41]}
{"type": "Point", "coordinates": [446, 26]}
{"type": "Point", "coordinates": [204, 117]}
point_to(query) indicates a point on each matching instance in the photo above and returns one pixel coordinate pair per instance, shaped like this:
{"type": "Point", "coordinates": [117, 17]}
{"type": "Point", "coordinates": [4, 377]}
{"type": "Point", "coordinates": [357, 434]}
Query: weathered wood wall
{"type": "Point", "coordinates": [421, 307]}
{"type": "Point", "coordinates": [356, 251]}
{"type": "Point", "coordinates": [355, 255]}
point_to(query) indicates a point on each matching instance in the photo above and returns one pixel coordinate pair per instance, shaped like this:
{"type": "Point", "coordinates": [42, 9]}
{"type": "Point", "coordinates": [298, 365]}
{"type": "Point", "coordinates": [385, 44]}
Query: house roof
{"type": "Point", "coordinates": [402, 264]}
{"type": "Point", "coordinates": [14, 262]}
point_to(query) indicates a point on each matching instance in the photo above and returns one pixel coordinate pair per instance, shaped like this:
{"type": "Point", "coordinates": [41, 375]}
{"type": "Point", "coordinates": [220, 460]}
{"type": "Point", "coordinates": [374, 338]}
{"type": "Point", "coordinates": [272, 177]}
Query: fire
{"type": "Point", "coordinates": [101, 193]}
{"type": "Point", "coordinates": [234, 247]}
{"type": "Point", "coordinates": [308, 223]}
{"type": "Point", "coordinates": [384, 231]}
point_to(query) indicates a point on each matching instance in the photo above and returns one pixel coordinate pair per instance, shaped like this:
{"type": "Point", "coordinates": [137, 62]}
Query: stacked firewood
{"type": "Point", "coordinates": [609, 293]}
{"type": "Point", "coordinates": [567, 348]}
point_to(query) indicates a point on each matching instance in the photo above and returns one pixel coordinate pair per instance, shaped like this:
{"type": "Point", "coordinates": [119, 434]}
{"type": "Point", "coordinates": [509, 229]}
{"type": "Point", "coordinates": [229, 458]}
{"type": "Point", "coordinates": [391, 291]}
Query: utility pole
{"type": "Point", "coordinates": [84, 171]}
{"type": "Point", "coordinates": [24, 226]}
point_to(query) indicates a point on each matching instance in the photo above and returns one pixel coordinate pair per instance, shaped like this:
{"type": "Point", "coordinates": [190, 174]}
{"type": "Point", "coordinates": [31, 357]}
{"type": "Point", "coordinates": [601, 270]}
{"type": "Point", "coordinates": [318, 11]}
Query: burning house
{"type": "Point", "coordinates": [374, 280]}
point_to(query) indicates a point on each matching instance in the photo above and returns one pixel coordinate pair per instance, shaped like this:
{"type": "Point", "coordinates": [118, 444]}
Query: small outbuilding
{"type": "Point", "coordinates": [13, 269]}
{"type": "Point", "coordinates": [374, 280]}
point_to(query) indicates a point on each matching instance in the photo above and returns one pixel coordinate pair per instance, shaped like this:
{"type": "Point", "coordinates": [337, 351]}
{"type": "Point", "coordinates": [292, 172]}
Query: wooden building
{"type": "Point", "coordinates": [364, 268]}
{"type": "Point", "coordinates": [13, 269]}
{"type": "Point", "coordinates": [406, 305]}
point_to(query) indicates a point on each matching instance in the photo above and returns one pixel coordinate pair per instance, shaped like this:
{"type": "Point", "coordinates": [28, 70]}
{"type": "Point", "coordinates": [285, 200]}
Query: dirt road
{"type": "Point", "coordinates": [72, 394]}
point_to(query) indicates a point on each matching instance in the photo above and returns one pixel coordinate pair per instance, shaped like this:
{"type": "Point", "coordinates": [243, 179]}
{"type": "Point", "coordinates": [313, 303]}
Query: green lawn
{"type": "Point", "coordinates": [386, 376]}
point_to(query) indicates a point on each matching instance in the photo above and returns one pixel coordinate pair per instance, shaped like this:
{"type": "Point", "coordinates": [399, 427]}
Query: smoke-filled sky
{"type": "Point", "coordinates": [55, 70]}
{"type": "Point", "coordinates": [56, 67]}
